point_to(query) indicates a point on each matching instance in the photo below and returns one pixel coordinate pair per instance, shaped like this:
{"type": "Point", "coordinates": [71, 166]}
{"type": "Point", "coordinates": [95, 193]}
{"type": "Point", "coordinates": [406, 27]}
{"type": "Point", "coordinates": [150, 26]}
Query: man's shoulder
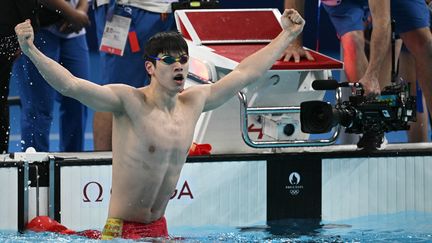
{"type": "Point", "coordinates": [118, 87]}
{"type": "Point", "coordinates": [125, 91]}
{"type": "Point", "coordinates": [195, 94]}
{"type": "Point", "coordinates": [194, 90]}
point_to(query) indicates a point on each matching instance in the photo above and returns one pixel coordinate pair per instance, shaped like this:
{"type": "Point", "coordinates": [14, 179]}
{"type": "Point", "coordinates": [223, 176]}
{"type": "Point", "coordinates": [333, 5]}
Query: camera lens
{"type": "Point", "coordinates": [316, 117]}
{"type": "Point", "coordinates": [289, 129]}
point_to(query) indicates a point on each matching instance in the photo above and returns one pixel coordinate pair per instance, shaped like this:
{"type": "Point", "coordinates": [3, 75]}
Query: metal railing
{"type": "Point", "coordinates": [246, 111]}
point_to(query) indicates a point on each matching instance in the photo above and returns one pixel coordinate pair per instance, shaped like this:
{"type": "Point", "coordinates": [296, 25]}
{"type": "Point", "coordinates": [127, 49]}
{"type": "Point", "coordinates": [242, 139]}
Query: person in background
{"type": "Point", "coordinates": [64, 41]}
{"type": "Point", "coordinates": [348, 17]}
{"type": "Point", "coordinates": [12, 12]}
{"type": "Point", "coordinates": [419, 131]}
{"type": "Point", "coordinates": [145, 19]}
{"type": "Point", "coordinates": [153, 126]}
{"type": "Point", "coordinates": [6, 62]}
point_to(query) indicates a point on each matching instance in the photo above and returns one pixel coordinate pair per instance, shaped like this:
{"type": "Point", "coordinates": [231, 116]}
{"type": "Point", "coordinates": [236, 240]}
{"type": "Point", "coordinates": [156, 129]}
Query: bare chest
{"type": "Point", "coordinates": [160, 133]}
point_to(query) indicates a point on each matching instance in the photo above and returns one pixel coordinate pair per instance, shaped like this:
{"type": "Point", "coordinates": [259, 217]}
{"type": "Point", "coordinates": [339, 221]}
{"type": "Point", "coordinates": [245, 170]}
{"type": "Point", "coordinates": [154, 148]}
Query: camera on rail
{"type": "Point", "coordinates": [371, 117]}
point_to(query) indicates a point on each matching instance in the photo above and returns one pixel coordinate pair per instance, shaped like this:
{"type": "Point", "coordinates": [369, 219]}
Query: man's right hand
{"type": "Point", "coordinates": [77, 21]}
{"type": "Point", "coordinates": [370, 85]}
{"type": "Point", "coordinates": [25, 35]}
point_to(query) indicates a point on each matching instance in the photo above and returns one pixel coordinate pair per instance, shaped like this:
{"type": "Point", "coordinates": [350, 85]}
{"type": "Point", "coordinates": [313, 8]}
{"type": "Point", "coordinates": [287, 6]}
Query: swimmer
{"type": "Point", "coordinates": [153, 126]}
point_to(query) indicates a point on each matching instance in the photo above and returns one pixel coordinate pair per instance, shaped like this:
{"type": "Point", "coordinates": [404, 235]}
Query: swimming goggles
{"type": "Point", "coordinates": [170, 59]}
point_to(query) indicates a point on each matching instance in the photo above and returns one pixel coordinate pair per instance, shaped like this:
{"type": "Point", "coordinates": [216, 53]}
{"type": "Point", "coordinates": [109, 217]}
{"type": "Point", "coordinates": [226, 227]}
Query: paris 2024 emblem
{"type": "Point", "coordinates": [294, 186]}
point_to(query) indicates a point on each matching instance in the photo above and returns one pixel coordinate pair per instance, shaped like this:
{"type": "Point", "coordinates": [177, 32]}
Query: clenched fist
{"type": "Point", "coordinates": [25, 34]}
{"type": "Point", "coordinates": [292, 21]}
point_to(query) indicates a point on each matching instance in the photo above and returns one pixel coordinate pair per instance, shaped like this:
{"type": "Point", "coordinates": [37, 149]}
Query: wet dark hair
{"type": "Point", "coordinates": [165, 42]}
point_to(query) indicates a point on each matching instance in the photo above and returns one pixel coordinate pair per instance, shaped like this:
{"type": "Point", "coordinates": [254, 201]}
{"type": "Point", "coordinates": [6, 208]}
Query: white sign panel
{"type": "Point", "coordinates": [84, 196]}
{"type": "Point", "coordinates": [216, 193]}
{"type": "Point", "coordinates": [220, 193]}
{"type": "Point", "coordinates": [9, 198]}
{"type": "Point", "coordinates": [355, 187]}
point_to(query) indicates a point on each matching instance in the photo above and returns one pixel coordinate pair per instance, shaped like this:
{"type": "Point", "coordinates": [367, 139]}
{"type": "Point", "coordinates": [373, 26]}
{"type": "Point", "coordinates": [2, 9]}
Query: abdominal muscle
{"type": "Point", "coordinates": [144, 178]}
{"type": "Point", "coordinates": [142, 194]}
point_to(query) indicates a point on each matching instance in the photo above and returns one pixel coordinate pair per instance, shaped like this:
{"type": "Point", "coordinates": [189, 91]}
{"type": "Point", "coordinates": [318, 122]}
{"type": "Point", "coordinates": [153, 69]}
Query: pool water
{"type": "Point", "coordinates": [400, 227]}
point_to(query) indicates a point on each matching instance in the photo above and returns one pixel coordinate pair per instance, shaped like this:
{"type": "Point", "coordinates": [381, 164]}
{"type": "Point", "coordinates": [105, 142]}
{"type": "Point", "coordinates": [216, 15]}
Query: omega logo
{"type": "Point", "coordinates": [99, 197]}
{"type": "Point", "coordinates": [185, 191]}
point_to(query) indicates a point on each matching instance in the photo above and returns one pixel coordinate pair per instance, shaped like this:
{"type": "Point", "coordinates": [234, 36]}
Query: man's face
{"type": "Point", "coordinates": [171, 70]}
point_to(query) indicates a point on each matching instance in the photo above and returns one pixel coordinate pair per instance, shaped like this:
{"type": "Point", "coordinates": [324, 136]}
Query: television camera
{"type": "Point", "coordinates": [371, 117]}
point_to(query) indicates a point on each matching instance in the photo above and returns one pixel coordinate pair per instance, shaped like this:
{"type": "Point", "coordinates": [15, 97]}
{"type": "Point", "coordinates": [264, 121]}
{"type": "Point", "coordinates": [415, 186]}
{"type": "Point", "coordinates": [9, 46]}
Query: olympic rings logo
{"type": "Point", "coordinates": [294, 192]}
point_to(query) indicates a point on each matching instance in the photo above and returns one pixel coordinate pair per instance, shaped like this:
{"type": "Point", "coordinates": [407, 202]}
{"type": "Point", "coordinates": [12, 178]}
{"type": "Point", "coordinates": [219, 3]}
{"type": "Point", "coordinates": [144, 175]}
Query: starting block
{"type": "Point", "coordinates": [219, 39]}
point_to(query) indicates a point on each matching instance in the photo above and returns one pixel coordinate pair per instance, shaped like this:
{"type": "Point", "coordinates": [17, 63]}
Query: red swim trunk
{"type": "Point", "coordinates": [114, 228]}
{"type": "Point", "coordinates": [117, 228]}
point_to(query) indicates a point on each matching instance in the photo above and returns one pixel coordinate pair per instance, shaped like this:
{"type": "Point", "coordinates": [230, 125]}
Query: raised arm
{"type": "Point", "coordinates": [379, 44]}
{"type": "Point", "coordinates": [101, 98]}
{"type": "Point", "coordinates": [253, 67]}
